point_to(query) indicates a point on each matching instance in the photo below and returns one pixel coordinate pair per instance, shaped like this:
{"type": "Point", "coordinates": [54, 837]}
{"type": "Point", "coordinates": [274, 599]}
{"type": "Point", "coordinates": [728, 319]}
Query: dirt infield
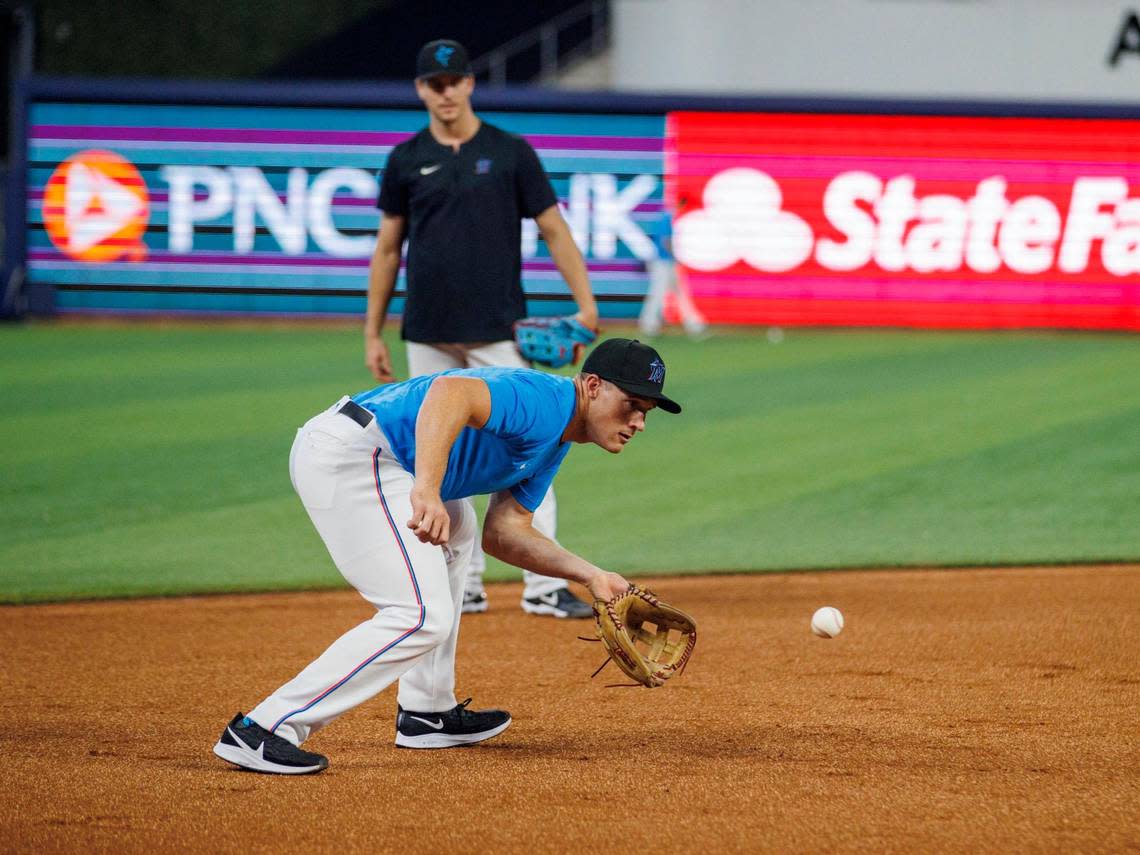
{"type": "Point", "coordinates": [963, 710]}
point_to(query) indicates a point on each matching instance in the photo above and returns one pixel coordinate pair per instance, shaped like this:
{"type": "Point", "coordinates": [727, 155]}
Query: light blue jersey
{"type": "Point", "coordinates": [519, 448]}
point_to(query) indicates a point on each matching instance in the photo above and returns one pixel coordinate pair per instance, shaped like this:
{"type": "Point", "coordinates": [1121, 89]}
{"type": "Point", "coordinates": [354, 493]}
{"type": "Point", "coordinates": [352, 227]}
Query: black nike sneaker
{"type": "Point", "coordinates": [456, 726]}
{"type": "Point", "coordinates": [559, 604]}
{"type": "Point", "coordinates": [246, 743]}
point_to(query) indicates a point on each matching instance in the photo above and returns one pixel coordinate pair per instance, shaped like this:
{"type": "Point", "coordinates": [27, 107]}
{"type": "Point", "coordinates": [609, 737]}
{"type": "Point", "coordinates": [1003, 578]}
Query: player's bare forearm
{"type": "Point", "coordinates": [382, 272]}
{"type": "Point", "coordinates": [568, 259]}
{"type": "Point", "coordinates": [509, 535]}
{"type": "Point", "coordinates": [451, 404]}
{"type": "Point", "coordinates": [534, 551]}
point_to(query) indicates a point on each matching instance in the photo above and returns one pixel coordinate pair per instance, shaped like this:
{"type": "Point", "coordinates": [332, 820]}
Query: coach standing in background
{"type": "Point", "coordinates": [458, 191]}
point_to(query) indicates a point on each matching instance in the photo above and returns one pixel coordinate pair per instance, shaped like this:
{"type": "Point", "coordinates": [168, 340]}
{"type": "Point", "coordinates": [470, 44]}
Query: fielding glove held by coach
{"type": "Point", "coordinates": [648, 639]}
{"type": "Point", "coordinates": [552, 341]}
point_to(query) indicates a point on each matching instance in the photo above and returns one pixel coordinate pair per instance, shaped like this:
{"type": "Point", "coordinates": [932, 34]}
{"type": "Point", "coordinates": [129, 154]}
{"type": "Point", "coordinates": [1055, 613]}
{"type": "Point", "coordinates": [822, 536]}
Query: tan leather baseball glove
{"type": "Point", "coordinates": [649, 640]}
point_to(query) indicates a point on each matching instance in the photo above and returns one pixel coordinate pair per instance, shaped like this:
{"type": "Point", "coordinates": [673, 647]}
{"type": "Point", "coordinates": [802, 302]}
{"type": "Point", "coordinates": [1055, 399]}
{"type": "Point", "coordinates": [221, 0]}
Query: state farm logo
{"type": "Point", "coordinates": [742, 221]}
{"type": "Point", "coordinates": [96, 208]}
{"type": "Point", "coordinates": [885, 224]}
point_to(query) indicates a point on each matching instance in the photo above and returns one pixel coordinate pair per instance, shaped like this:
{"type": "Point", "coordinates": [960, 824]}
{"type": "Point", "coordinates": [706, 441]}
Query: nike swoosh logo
{"type": "Point", "coordinates": [428, 170]}
{"type": "Point", "coordinates": [259, 752]}
{"type": "Point", "coordinates": [434, 725]}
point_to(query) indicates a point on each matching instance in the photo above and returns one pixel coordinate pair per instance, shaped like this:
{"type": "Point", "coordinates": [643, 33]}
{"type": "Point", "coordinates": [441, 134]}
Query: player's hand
{"type": "Point", "coordinates": [605, 586]}
{"type": "Point", "coordinates": [588, 318]}
{"type": "Point", "coordinates": [378, 360]}
{"type": "Point", "coordinates": [430, 520]}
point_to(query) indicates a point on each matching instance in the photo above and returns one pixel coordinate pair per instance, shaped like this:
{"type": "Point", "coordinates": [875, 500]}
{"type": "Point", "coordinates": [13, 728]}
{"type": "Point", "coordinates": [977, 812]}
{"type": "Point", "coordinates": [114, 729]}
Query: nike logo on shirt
{"type": "Point", "coordinates": [428, 170]}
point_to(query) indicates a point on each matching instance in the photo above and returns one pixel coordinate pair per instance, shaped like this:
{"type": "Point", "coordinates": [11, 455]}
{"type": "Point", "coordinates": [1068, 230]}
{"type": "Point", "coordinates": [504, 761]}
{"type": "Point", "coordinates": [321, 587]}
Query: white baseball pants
{"type": "Point", "coordinates": [357, 496]}
{"type": "Point", "coordinates": [664, 279]}
{"type": "Point", "coordinates": [430, 358]}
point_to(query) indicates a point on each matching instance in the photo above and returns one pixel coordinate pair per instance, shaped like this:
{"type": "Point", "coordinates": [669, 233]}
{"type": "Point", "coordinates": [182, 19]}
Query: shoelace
{"type": "Point", "coordinates": [608, 660]}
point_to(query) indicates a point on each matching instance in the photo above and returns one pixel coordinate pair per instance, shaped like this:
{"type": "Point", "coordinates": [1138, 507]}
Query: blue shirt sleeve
{"type": "Point", "coordinates": [523, 407]}
{"type": "Point", "coordinates": [532, 491]}
{"type": "Point", "coordinates": [528, 411]}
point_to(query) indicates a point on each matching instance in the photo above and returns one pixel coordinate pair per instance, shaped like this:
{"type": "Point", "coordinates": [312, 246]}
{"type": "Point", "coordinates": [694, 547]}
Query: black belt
{"type": "Point", "coordinates": [356, 412]}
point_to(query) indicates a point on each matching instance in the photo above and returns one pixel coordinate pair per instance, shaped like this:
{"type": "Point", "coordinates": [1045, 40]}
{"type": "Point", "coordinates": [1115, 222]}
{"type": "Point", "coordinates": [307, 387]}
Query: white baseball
{"type": "Point", "coordinates": [827, 622]}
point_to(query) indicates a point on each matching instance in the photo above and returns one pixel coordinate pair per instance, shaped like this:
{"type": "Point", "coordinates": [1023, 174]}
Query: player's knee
{"type": "Point", "coordinates": [436, 624]}
{"type": "Point", "coordinates": [426, 624]}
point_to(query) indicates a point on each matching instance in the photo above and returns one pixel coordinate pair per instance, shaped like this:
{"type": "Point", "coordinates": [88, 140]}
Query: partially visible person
{"type": "Point", "coordinates": [457, 192]}
{"type": "Point", "coordinates": [667, 285]}
{"type": "Point", "coordinates": [385, 477]}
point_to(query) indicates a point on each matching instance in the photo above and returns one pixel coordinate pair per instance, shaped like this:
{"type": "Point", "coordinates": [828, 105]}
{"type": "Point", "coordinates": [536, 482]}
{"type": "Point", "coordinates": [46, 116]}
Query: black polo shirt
{"type": "Point", "coordinates": [464, 215]}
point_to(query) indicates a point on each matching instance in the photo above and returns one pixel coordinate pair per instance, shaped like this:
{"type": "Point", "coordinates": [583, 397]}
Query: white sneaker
{"type": "Point", "coordinates": [474, 602]}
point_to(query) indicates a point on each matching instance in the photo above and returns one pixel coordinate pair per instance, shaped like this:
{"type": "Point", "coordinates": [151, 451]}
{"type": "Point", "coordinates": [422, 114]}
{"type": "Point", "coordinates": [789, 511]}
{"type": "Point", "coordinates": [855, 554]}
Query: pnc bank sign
{"type": "Point", "coordinates": [861, 221]}
{"type": "Point", "coordinates": [97, 206]}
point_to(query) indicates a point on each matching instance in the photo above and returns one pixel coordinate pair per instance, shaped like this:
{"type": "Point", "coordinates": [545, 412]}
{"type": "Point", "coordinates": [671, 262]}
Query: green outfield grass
{"type": "Point", "coordinates": [147, 459]}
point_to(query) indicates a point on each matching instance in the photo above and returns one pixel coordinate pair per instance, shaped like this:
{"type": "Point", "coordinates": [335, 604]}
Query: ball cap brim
{"type": "Point", "coordinates": [633, 367]}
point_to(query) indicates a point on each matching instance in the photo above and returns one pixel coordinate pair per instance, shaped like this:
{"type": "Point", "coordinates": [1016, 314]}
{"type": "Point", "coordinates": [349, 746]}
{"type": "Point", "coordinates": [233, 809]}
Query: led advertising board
{"type": "Point", "coordinates": [779, 218]}
{"type": "Point", "coordinates": [203, 208]}
{"type": "Point", "coordinates": [923, 221]}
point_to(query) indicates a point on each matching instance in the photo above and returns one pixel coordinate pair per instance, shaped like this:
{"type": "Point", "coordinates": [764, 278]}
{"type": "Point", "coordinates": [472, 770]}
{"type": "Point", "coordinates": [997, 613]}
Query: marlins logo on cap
{"type": "Point", "coordinates": [443, 56]}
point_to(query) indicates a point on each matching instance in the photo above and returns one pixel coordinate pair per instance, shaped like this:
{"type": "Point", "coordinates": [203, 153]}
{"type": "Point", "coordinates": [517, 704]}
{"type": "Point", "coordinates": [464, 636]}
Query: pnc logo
{"type": "Point", "coordinates": [96, 208]}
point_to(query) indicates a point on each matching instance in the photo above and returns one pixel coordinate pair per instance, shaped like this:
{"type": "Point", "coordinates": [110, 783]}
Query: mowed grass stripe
{"type": "Point", "coordinates": [154, 460]}
{"type": "Point", "coordinates": [734, 491]}
{"type": "Point", "coordinates": [1006, 503]}
{"type": "Point", "coordinates": [265, 545]}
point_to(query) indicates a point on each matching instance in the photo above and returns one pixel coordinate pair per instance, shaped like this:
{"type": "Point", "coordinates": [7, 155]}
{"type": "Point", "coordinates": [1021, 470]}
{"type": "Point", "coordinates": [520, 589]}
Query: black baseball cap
{"type": "Point", "coordinates": [630, 365]}
{"type": "Point", "coordinates": [443, 56]}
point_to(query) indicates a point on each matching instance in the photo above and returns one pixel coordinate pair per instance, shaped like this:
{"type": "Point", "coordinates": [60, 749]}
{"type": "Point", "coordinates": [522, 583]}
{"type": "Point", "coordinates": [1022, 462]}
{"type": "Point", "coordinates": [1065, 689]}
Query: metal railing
{"type": "Point", "coordinates": [493, 64]}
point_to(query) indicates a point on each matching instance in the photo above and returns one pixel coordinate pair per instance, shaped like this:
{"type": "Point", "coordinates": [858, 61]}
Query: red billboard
{"type": "Point", "coordinates": [907, 220]}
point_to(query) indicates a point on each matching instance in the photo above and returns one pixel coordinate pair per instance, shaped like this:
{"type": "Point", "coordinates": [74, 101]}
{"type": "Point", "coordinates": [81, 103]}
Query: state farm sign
{"type": "Point", "coordinates": [908, 220]}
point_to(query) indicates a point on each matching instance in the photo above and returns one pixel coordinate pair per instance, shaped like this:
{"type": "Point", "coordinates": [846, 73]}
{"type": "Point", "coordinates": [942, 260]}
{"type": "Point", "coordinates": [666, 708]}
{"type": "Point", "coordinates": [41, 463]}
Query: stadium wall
{"type": "Point", "coordinates": [1009, 49]}
{"type": "Point", "coordinates": [256, 198]}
